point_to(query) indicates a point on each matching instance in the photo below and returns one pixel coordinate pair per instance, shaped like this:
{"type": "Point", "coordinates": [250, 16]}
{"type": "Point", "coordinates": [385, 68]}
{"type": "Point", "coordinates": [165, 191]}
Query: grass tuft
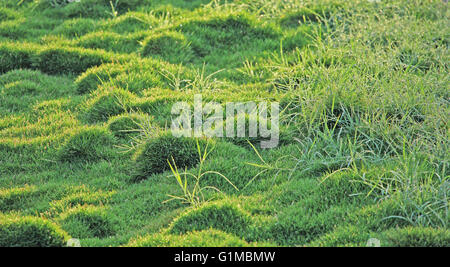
{"type": "Point", "coordinates": [16, 231]}
{"type": "Point", "coordinates": [89, 144]}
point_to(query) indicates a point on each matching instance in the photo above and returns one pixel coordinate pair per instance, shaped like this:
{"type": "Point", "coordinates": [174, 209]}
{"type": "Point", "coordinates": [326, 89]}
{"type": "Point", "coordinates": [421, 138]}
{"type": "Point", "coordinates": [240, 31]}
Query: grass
{"type": "Point", "coordinates": [86, 91]}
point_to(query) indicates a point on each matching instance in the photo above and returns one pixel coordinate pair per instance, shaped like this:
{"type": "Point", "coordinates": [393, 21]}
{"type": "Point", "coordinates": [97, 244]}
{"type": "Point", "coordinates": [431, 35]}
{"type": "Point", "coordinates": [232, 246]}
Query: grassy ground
{"type": "Point", "coordinates": [86, 91]}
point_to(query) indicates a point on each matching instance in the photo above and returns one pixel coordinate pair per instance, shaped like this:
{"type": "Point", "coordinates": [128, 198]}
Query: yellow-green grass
{"type": "Point", "coordinates": [86, 92]}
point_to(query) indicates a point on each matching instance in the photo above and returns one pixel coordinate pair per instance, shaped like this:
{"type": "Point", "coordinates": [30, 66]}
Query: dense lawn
{"type": "Point", "coordinates": [86, 91]}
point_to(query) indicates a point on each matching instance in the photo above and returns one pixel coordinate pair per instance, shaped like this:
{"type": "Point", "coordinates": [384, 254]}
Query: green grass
{"type": "Point", "coordinates": [86, 92]}
{"type": "Point", "coordinates": [17, 231]}
{"type": "Point", "coordinates": [207, 238]}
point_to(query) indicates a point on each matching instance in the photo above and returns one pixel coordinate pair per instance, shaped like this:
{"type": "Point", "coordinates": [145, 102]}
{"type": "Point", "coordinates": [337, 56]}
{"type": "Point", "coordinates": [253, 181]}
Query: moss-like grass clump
{"type": "Point", "coordinates": [206, 238]}
{"type": "Point", "coordinates": [127, 125]}
{"type": "Point", "coordinates": [87, 91]}
{"type": "Point", "coordinates": [15, 198]}
{"type": "Point", "coordinates": [75, 28]}
{"type": "Point", "coordinates": [7, 14]}
{"type": "Point", "coordinates": [170, 46]}
{"type": "Point", "coordinates": [134, 76]}
{"type": "Point", "coordinates": [16, 231]}
{"type": "Point", "coordinates": [89, 144]}
{"type": "Point", "coordinates": [81, 196]}
{"type": "Point", "coordinates": [110, 41]}
{"type": "Point", "coordinates": [13, 56]}
{"type": "Point", "coordinates": [108, 102]}
{"type": "Point", "coordinates": [21, 90]}
{"type": "Point", "coordinates": [222, 216]}
{"type": "Point", "coordinates": [87, 221]}
{"type": "Point", "coordinates": [131, 22]}
{"type": "Point", "coordinates": [155, 154]}
{"type": "Point", "coordinates": [59, 60]}
{"type": "Point", "coordinates": [418, 237]}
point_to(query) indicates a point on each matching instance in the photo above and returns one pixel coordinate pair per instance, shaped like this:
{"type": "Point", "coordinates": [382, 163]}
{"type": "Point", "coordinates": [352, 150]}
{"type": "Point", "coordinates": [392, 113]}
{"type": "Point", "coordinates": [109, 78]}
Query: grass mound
{"type": "Point", "coordinates": [87, 8]}
{"type": "Point", "coordinates": [344, 187]}
{"type": "Point", "coordinates": [87, 222]}
{"type": "Point", "coordinates": [20, 90]}
{"type": "Point", "coordinates": [232, 36]}
{"type": "Point", "coordinates": [171, 46]}
{"type": "Point", "coordinates": [15, 198]}
{"type": "Point", "coordinates": [206, 238]}
{"type": "Point", "coordinates": [363, 94]}
{"type": "Point", "coordinates": [14, 29]}
{"type": "Point", "coordinates": [311, 14]}
{"type": "Point", "coordinates": [153, 157]}
{"type": "Point", "coordinates": [81, 197]}
{"type": "Point", "coordinates": [343, 236]}
{"type": "Point", "coordinates": [50, 60]}
{"type": "Point", "coordinates": [137, 81]}
{"type": "Point", "coordinates": [110, 41]}
{"type": "Point", "coordinates": [374, 217]}
{"type": "Point", "coordinates": [224, 32]}
{"type": "Point", "coordinates": [20, 75]}
{"type": "Point", "coordinates": [89, 144]}
{"type": "Point", "coordinates": [126, 125]}
{"type": "Point", "coordinates": [221, 216]}
{"type": "Point", "coordinates": [300, 224]}
{"type": "Point", "coordinates": [16, 231]}
{"type": "Point", "coordinates": [75, 28]}
{"type": "Point", "coordinates": [418, 237]}
{"type": "Point", "coordinates": [134, 76]}
{"type": "Point", "coordinates": [95, 76]}
{"type": "Point", "coordinates": [13, 56]}
{"type": "Point", "coordinates": [60, 60]}
{"type": "Point", "coordinates": [7, 14]}
{"type": "Point", "coordinates": [108, 102]}
{"type": "Point", "coordinates": [130, 22]}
